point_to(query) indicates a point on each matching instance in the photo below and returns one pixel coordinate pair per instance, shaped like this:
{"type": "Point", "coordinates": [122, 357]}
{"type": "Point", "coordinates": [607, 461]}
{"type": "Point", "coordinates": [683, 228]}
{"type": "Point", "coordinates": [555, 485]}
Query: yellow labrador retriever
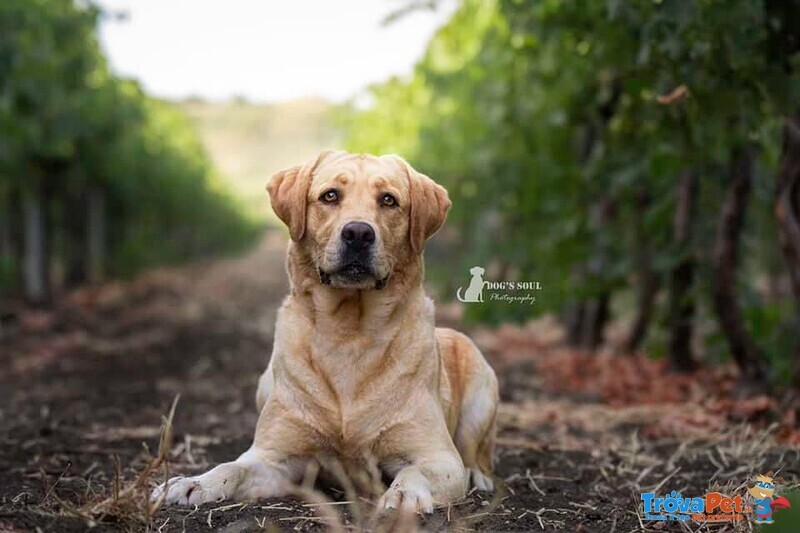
{"type": "Point", "coordinates": [358, 369]}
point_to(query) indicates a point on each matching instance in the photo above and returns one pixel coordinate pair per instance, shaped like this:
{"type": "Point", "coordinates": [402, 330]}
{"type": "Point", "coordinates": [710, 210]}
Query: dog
{"type": "Point", "coordinates": [358, 370]}
{"type": "Point", "coordinates": [474, 292]}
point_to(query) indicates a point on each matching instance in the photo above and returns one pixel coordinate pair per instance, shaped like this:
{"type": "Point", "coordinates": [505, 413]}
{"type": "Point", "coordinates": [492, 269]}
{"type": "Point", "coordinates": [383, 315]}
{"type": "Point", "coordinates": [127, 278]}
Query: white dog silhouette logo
{"type": "Point", "coordinates": [474, 292]}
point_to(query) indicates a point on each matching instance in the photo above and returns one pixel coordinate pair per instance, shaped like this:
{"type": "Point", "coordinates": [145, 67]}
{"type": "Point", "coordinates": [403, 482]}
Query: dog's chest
{"type": "Point", "coordinates": [349, 370]}
{"type": "Point", "coordinates": [362, 385]}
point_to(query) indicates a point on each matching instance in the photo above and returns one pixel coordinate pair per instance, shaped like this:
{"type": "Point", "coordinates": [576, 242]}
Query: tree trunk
{"type": "Point", "coordinates": [36, 275]}
{"type": "Point", "coordinates": [787, 213]}
{"type": "Point", "coordinates": [648, 290]}
{"type": "Point", "coordinates": [599, 313]}
{"type": "Point", "coordinates": [648, 280]}
{"type": "Point", "coordinates": [574, 319]}
{"type": "Point", "coordinates": [585, 320]}
{"type": "Point", "coordinates": [574, 315]}
{"type": "Point", "coordinates": [96, 234]}
{"type": "Point", "coordinates": [599, 310]}
{"type": "Point", "coordinates": [681, 301]}
{"type": "Point", "coordinates": [74, 221]}
{"type": "Point", "coordinates": [6, 239]}
{"type": "Point", "coordinates": [746, 353]}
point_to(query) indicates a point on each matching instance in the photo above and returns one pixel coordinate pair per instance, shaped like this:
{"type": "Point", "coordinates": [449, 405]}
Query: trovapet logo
{"type": "Point", "coordinates": [717, 507]}
{"type": "Point", "coordinates": [713, 507]}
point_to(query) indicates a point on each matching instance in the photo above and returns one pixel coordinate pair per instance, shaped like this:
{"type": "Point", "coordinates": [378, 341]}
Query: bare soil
{"type": "Point", "coordinates": [85, 385]}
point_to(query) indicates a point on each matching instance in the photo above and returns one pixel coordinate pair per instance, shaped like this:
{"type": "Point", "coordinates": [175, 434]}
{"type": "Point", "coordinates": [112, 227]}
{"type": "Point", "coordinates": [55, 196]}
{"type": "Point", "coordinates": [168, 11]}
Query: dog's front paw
{"type": "Point", "coordinates": [407, 496]}
{"type": "Point", "coordinates": [479, 480]}
{"type": "Point", "coordinates": [189, 491]}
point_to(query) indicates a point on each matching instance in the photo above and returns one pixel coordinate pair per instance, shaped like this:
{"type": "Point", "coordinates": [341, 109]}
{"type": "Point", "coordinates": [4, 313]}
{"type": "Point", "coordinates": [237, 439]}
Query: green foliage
{"type": "Point", "coordinates": [68, 124]}
{"type": "Point", "coordinates": [173, 205]}
{"type": "Point", "coordinates": [537, 116]}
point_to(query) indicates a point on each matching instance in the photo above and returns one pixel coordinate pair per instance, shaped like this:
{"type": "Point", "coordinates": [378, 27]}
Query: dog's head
{"type": "Point", "coordinates": [357, 218]}
{"type": "Point", "coordinates": [477, 271]}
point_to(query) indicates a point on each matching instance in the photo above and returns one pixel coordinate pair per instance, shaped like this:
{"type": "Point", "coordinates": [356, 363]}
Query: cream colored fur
{"type": "Point", "coordinates": [357, 372]}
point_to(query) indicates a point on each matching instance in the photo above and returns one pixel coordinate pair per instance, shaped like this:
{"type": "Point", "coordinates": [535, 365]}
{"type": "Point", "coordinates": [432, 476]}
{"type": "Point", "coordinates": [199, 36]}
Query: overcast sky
{"type": "Point", "coordinates": [265, 50]}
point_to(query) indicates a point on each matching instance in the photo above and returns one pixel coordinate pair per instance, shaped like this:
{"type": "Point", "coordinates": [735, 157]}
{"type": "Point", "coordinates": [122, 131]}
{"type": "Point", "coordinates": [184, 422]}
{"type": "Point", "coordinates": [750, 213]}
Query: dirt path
{"type": "Point", "coordinates": [89, 381]}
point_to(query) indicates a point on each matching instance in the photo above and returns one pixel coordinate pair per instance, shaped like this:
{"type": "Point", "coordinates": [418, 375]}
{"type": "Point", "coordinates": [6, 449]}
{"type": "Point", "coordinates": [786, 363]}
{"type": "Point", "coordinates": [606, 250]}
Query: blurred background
{"type": "Point", "coordinates": [639, 159]}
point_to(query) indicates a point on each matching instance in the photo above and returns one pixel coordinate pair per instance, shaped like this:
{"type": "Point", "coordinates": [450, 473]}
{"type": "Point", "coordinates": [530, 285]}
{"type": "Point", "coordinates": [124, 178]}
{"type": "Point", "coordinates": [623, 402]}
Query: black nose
{"type": "Point", "coordinates": [358, 234]}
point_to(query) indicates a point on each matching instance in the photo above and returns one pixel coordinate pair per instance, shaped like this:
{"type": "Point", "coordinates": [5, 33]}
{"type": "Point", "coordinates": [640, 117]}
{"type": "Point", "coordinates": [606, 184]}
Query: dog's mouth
{"type": "Point", "coordinates": [353, 275]}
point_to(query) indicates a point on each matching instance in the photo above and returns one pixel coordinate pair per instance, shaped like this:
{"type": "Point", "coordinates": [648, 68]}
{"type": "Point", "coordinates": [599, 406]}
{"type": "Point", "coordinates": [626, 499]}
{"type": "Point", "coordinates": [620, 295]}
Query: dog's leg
{"type": "Point", "coordinates": [255, 474]}
{"type": "Point", "coordinates": [265, 384]}
{"type": "Point", "coordinates": [435, 479]}
{"type": "Point", "coordinates": [474, 439]}
{"type": "Point", "coordinates": [434, 473]}
{"type": "Point", "coordinates": [273, 463]}
{"type": "Point", "coordinates": [475, 433]}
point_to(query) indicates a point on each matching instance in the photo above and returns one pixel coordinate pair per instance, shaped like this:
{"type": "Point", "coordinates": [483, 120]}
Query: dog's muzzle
{"type": "Point", "coordinates": [355, 274]}
{"type": "Point", "coordinates": [355, 265]}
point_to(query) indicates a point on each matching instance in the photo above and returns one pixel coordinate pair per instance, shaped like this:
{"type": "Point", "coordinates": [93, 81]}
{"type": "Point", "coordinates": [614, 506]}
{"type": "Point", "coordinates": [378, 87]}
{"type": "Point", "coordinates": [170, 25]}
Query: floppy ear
{"type": "Point", "coordinates": [288, 191]}
{"type": "Point", "coordinates": [429, 206]}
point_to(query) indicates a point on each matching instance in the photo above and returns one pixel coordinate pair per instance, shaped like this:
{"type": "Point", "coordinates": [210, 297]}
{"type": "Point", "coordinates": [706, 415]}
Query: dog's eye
{"type": "Point", "coordinates": [330, 196]}
{"type": "Point", "coordinates": [387, 200]}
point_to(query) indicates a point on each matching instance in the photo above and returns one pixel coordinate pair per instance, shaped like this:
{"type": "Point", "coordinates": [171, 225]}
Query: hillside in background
{"type": "Point", "coordinates": [98, 179]}
{"type": "Point", "coordinates": [249, 142]}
